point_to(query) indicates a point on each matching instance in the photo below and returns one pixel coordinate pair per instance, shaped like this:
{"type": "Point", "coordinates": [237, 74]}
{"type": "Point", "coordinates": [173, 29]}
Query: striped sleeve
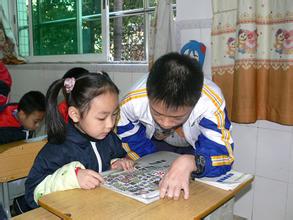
{"type": "Point", "coordinates": [130, 130]}
{"type": "Point", "coordinates": [215, 142]}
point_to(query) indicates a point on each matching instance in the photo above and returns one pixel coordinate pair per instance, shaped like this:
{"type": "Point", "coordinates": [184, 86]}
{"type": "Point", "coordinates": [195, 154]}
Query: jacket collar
{"type": "Point", "coordinates": [77, 137]}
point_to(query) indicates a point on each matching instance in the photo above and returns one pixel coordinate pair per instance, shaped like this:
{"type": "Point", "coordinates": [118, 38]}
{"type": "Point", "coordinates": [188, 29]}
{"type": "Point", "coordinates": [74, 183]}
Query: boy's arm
{"type": "Point", "coordinates": [11, 134]}
{"type": "Point", "coordinates": [215, 143]}
{"type": "Point", "coordinates": [133, 134]}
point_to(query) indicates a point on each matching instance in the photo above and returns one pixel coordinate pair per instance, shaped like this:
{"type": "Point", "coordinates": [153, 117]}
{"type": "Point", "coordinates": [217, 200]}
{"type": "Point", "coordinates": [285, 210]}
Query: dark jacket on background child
{"type": "Point", "coordinates": [91, 153]}
{"type": "Point", "coordinates": [3, 215]}
{"type": "Point", "coordinates": [10, 126]}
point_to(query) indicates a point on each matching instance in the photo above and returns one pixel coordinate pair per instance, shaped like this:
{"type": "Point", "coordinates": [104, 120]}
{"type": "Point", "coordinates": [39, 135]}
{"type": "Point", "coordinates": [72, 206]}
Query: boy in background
{"type": "Point", "coordinates": [19, 120]}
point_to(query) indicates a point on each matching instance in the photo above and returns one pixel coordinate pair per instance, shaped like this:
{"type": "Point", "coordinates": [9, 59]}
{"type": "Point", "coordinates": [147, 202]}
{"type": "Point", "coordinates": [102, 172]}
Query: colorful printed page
{"type": "Point", "coordinates": [141, 184]}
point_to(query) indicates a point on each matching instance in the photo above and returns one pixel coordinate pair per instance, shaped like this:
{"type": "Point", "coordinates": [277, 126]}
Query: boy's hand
{"type": "Point", "coordinates": [89, 179]}
{"type": "Point", "coordinates": [177, 178]}
{"type": "Point", "coordinates": [123, 163]}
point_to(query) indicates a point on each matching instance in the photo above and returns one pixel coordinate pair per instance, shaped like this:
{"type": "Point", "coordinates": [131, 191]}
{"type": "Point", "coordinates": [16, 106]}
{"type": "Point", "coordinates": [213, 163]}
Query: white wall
{"type": "Point", "coordinates": [264, 149]}
{"type": "Point", "coordinates": [39, 76]}
{"type": "Point", "coordinates": [193, 22]}
{"type": "Point", "coordinates": [193, 9]}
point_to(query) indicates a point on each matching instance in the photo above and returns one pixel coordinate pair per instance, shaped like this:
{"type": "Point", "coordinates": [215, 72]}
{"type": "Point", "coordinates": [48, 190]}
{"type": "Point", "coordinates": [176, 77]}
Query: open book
{"type": "Point", "coordinates": [228, 181]}
{"type": "Point", "coordinates": [35, 139]}
{"type": "Point", "coordinates": [141, 184]}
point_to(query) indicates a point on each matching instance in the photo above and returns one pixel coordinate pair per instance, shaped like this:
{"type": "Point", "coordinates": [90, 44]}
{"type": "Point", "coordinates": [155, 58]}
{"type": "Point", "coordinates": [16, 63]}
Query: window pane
{"type": "Point", "coordinates": [153, 3]}
{"type": "Point", "coordinates": [60, 27]}
{"type": "Point", "coordinates": [56, 30]}
{"type": "Point", "coordinates": [127, 41]}
{"type": "Point", "coordinates": [120, 5]}
{"type": "Point", "coordinates": [54, 27]}
{"type": "Point", "coordinates": [51, 10]}
{"type": "Point", "coordinates": [55, 39]}
{"type": "Point", "coordinates": [91, 7]}
{"type": "Point", "coordinates": [92, 26]}
{"type": "Point", "coordinates": [92, 35]}
{"type": "Point", "coordinates": [23, 32]}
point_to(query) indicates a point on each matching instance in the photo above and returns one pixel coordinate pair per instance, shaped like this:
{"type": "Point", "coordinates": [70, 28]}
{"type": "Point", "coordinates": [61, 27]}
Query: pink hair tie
{"type": "Point", "coordinates": [69, 84]}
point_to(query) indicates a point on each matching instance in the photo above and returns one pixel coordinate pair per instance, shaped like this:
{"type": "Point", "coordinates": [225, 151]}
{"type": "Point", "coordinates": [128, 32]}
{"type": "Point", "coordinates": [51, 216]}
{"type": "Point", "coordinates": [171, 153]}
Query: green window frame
{"type": "Point", "coordinates": [84, 30]}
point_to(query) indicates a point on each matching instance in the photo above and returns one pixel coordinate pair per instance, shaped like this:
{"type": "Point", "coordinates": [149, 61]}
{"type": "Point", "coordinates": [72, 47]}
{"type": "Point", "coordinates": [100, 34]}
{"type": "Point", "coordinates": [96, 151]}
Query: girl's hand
{"type": "Point", "coordinates": [89, 179]}
{"type": "Point", "coordinates": [123, 163]}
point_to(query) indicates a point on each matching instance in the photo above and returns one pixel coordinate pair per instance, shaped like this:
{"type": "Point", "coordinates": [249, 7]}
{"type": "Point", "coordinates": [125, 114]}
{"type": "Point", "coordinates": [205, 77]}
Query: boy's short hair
{"type": "Point", "coordinates": [32, 101]}
{"type": "Point", "coordinates": [176, 80]}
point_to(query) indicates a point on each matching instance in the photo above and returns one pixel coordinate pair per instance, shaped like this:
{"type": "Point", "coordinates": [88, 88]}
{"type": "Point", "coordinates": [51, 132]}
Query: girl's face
{"type": "Point", "coordinates": [101, 116]}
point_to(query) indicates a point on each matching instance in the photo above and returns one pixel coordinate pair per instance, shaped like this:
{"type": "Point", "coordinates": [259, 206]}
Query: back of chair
{"type": "Point", "coordinates": [16, 159]}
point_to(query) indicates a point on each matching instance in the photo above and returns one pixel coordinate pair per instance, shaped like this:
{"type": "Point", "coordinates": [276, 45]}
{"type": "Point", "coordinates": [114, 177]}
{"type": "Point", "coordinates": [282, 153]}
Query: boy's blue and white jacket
{"type": "Point", "coordinates": [207, 129]}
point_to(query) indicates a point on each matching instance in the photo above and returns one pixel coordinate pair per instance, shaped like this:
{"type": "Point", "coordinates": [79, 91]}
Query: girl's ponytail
{"type": "Point", "coordinates": [55, 124]}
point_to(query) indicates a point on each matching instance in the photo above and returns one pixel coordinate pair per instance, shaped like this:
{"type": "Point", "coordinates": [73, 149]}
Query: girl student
{"type": "Point", "coordinates": [78, 151]}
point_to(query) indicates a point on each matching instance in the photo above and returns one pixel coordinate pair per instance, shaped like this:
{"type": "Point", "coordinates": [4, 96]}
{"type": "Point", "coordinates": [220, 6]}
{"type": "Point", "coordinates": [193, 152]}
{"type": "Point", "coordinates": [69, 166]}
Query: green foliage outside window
{"type": "Point", "coordinates": [55, 27]}
{"type": "Point", "coordinates": [58, 29]}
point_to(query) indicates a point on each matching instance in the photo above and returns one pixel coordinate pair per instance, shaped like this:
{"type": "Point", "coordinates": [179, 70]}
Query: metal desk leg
{"type": "Point", "coordinates": [6, 203]}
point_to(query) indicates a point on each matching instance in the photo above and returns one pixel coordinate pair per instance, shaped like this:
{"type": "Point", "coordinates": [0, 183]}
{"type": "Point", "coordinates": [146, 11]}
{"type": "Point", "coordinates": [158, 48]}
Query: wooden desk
{"type": "Point", "coordinates": [102, 203]}
{"type": "Point", "coordinates": [16, 160]}
{"type": "Point", "coordinates": [39, 214]}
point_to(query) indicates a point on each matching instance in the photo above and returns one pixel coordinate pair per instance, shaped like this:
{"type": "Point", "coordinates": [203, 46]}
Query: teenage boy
{"type": "Point", "coordinates": [176, 109]}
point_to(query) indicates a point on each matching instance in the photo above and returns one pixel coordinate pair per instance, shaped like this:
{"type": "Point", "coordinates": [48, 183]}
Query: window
{"type": "Point", "coordinates": [66, 28]}
{"type": "Point", "coordinates": [84, 30]}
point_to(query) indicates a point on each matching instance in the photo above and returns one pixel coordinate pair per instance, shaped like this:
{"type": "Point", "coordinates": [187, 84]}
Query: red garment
{"type": "Point", "coordinates": [3, 99]}
{"type": "Point", "coordinates": [11, 128]}
{"type": "Point", "coordinates": [4, 75]}
{"type": "Point", "coordinates": [5, 81]}
{"type": "Point", "coordinates": [63, 109]}
{"type": "Point", "coordinates": [7, 117]}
